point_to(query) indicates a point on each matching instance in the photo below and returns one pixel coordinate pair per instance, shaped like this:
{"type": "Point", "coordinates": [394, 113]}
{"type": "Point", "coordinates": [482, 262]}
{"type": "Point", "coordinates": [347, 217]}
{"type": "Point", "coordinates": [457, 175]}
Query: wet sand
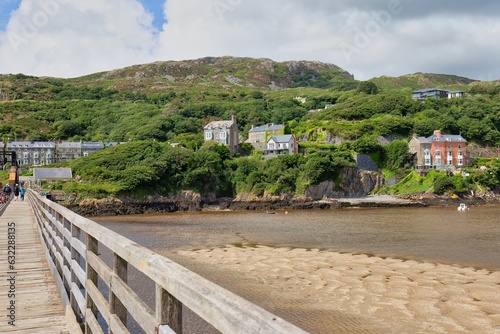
{"type": "Point", "coordinates": [331, 292]}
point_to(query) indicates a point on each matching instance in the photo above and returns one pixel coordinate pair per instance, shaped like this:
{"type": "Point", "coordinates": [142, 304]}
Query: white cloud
{"type": "Point", "coordinates": [391, 37]}
{"type": "Point", "coordinates": [72, 37]}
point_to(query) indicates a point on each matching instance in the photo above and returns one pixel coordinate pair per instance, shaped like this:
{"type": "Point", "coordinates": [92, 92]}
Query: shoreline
{"type": "Point", "coordinates": [114, 206]}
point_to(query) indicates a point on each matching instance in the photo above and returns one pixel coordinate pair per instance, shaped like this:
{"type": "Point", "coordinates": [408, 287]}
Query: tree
{"type": "Point", "coordinates": [396, 154]}
{"type": "Point", "coordinates": [367, 87]}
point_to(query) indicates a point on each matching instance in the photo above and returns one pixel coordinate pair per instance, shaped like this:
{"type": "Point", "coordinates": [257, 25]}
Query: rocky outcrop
{"type": "Point", "coordinates": [354, 183]}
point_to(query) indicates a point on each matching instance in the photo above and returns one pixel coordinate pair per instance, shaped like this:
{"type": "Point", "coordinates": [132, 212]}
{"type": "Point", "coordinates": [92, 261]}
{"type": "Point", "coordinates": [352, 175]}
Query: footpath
{"type": "Point", "coordinates": [29, 302]}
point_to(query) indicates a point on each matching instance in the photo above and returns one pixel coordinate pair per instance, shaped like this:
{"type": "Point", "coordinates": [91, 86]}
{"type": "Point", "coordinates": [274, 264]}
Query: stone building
{"type": "Point", "coordinates": [225, 133]}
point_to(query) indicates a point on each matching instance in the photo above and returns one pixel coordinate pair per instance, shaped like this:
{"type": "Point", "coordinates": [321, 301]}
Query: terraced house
{"type": "Point", "coordinates": [35, 153]}
{"type": "Point", "coordinates": [439, 151]}
{"type": "Point", "coordinates": [31, 152]}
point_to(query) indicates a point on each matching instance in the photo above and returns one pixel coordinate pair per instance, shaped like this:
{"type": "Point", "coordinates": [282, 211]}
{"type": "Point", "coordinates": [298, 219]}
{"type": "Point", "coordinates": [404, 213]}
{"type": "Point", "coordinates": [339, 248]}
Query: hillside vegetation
{"type": "Point", "coordinates": [154, 104]}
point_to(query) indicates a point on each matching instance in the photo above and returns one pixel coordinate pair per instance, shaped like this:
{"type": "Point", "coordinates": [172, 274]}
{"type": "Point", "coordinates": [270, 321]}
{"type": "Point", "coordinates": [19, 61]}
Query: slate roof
{"type": "Point", "coordinates": [282, 138]}
{"type": "Point", "coordinates": [430, 90]}
{"type": "Point", "coordinates": [78, 144]}
{"type": "Point", "coordinates": [218, 125]}
{"type": "Point", "coordinates": [267, 127]}
{"type": "Point", "coordinates": [445, 138]}
{"type": "Point", "coordinates": [52, 173]}
{"type": "Point", "coordinates": [29, 144]}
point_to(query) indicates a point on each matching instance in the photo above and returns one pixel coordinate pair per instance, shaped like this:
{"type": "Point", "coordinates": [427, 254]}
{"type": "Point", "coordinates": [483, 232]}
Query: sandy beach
{"type": "Point", "coordinates": [330, 292]}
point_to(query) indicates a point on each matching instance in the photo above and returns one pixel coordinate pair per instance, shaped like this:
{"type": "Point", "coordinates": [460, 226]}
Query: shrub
{"type": "Point", "coordinates": [443, 184]}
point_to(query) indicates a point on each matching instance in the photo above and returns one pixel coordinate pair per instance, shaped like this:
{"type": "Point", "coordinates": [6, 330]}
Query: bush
{"type": "Point", "coordinates": [443, 184]}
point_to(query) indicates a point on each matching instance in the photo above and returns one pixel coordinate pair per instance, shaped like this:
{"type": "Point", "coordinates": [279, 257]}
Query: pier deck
{"type": "Point", "coordinates": [29, 298]}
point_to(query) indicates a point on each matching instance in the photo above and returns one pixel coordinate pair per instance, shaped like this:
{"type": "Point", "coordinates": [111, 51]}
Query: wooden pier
{"type": "Point", "coordinates": [29, 299]}
{"type": "Point", "coordinates": [52, 279]}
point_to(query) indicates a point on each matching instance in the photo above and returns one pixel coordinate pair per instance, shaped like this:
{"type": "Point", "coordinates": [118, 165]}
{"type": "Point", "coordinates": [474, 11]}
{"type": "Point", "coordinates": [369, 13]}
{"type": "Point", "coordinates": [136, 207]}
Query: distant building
{"type": "Point", "coordinates": [224, 132]}
{"type": "Point", "coordinates": [284, 144]}
{"type": "Point", "coordinates": [72, 150]}
{"type": "Point", "coordinates": [438, 151]}
{"type": "Point", "coordinates": [32, 153]}
{"type": "Point", "coordinates": [258, 136]}
{"type": "Point", "coordinates": [436, 93]}
{"type": "Point", "coordinates": [52, 174]}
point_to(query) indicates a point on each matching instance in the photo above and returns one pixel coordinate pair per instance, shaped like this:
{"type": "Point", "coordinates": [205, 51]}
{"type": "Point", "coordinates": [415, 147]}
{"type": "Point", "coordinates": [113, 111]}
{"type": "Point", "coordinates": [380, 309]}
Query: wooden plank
{"type": "Point", "coordinates": [80, 299]}
{"type": "Point", "coordinates": [78, 272]}
{"type": "Point", "coordinates": [99, 301]}
{"type": "Point", "coordinates": [78, 246]}
{"type": "Point", "coordinates": [92, 323]}
{"type": "Point", "coordinates": [117, 327]}
{"type": "Point", "coordinates": [139, 310]}
{"type": "Point", "coordinates": [103, 271]}
{"type": "Point", "coordinates": [73, 325]}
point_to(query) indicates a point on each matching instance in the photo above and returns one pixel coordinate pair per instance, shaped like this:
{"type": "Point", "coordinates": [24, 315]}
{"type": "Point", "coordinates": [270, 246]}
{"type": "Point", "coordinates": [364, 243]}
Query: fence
{"type": "Point", "coordinates": [72, 248]}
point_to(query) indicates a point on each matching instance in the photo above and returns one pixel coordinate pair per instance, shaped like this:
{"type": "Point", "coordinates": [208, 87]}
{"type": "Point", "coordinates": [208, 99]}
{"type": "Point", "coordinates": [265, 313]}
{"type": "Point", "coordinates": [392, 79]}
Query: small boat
{"type": "Point", "coordinates": [462, 207]}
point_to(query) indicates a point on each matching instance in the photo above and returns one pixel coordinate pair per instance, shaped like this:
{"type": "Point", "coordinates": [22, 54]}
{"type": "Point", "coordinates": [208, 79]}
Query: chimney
{"type": "Point", "coordinates": [233, 118]}
{"type": "Point", "coordinates": [437, 133]}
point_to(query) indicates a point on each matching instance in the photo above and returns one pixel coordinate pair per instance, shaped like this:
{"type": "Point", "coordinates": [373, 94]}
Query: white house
{"type": "Point", "coordinates": [284, 144]}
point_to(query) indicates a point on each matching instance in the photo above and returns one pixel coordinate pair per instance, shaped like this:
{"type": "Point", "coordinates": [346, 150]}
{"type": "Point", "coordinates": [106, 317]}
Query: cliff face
{"type": "Point", "coordinates": [355, 183]}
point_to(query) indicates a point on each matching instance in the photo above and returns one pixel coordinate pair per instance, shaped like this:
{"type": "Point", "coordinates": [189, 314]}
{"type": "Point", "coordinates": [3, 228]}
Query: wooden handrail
{"type": "Point", "coordinates": [71, 242]}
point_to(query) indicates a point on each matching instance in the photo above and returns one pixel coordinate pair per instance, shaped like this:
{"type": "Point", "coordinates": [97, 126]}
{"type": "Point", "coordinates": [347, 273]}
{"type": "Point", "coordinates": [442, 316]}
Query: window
{"type": "Point", "coordinates": [208, 135]}
{"type": "Point", "coordinates": [460, 154]}
{"type": "Point", "coordinates": [270, 146]}
{"type": "Point", "coordinates": [438, 153]}
{"type": "Point", "coordinates": [223, 135]}
{"type": "Point", "coordinates": [460, 161]}
{"type": "Point", "coordinates": [449, 154]}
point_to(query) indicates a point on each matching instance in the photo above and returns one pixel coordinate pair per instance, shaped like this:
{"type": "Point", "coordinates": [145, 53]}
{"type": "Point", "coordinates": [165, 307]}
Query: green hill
{"type": "Point", "coordinates": [423, 80]}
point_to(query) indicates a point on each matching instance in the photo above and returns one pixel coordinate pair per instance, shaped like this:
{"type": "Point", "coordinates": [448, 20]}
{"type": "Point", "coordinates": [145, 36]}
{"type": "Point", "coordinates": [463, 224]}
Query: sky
{"type": "Point", "coordinates": [368, 38]}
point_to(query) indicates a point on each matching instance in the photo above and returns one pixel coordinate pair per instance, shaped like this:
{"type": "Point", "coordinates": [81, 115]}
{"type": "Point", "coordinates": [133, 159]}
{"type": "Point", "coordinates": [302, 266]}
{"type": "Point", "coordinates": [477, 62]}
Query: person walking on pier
{"type": "Point", "coordinates": [22, 191]}
{"type": "Point", "coordinates": [16, 192]}
{"type": "Point", "coordinates": [7, 191]}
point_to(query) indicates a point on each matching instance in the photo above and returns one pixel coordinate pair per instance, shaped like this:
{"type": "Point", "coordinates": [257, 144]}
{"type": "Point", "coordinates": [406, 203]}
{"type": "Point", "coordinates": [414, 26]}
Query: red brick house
{"type": "Point", "coordinates": [439, 151]}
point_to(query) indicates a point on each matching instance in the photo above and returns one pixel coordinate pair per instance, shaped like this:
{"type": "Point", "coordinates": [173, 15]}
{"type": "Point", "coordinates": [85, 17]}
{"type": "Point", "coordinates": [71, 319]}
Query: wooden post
{"type": "Point", "coordinates": [115, 306]}
{"type": "Point", "coordinates": [168, 310]}
{"type": "Point", "coordinates": [91, 275]}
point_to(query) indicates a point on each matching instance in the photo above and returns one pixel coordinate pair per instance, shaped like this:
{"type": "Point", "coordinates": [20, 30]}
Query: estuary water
{"type": "Point", "coordinates": [435, 234]}
{"type": "Point", "coordinates": [442, 236]}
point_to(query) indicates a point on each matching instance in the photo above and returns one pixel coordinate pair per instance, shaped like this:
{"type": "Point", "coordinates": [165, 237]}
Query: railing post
{"type": "Point", "coordinates": [91, 275]}
{"type": "Point", "coordinates": [115, 306]}
{"type": "Point", "coordinates": [168, 310]}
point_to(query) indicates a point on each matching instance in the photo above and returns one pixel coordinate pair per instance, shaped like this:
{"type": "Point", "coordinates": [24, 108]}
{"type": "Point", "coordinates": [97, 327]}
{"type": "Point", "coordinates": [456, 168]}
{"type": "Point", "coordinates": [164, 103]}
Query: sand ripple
{"type": "Point", "coordinates": [393, 295]}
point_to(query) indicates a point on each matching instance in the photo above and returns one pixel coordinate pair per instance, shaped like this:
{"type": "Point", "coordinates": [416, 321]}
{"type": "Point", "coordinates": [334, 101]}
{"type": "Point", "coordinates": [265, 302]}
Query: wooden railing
{"type": "Point", "coordinates": [72, 245]}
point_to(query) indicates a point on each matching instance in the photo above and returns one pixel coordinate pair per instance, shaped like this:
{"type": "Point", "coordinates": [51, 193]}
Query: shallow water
{"type": "Point", "coordinates": [440, 234]}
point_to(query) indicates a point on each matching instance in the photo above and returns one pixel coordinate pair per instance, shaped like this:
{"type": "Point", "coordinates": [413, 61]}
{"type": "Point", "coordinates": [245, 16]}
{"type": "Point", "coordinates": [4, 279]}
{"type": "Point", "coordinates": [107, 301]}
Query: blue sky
{"type": "Point", "coordinates": [155, 7]}
{"type": "Point", "coordinates": [368, 38]}
{"type": "Point", "coordinates": [6, 7]}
